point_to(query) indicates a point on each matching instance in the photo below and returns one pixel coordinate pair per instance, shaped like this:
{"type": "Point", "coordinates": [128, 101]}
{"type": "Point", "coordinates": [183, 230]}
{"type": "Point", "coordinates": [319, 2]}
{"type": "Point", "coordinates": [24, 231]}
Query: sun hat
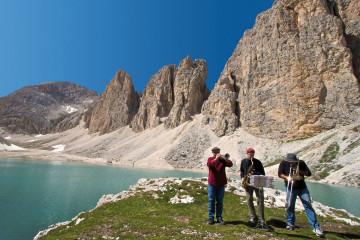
{"type": "Point", "coordinates": [291, 157]}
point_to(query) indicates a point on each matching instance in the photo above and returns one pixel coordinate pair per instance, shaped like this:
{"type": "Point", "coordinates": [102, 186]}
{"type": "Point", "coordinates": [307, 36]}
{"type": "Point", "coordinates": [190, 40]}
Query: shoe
{"type": "Point", "coordinates": [262, 226]}
{"type": "Point", "coordinates": [220, 221]}
{"type": "Point", "coordinates": [210, 221]}
{"type": "Point", "coordinates": [290, 227]}
{"type": "Point", "coordinates": [318, 232]}
{"type": "Point", "coordinates": [252, 222]}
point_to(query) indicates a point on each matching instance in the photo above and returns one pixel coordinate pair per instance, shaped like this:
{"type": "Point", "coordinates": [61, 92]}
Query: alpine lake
{"type": "Point", "coordinates": [36, 194]}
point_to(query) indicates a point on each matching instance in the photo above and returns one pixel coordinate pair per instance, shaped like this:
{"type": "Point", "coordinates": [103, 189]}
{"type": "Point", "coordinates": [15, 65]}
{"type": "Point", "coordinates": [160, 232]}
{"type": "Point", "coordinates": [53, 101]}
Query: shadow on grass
{"type": "Point", "coordinates": [276, 223]}
{"type": "Point", "coordinates": [248, 224]}
{"type": "Point", "coordinates": [294, 235]}
{"type": "Point", "coordinates": [238, 222]}
{"type": "Point", "coordinates": [344, 235]}
{"type": "Point", "coordinates": [271, 222]}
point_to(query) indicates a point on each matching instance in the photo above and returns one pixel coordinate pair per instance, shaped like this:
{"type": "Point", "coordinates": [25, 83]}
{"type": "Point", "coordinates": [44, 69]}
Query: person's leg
{"type": "Point", "coordinates": [219, 203]}
{"type": "Point", "coordinates": [250, 202]}
{"type": "Point", "coordinates": [260, 203]}
{"type": "Point", "coordinates": [211, 203]}
{"type": "Point", "coordinates": [309, 210]}
{"type": "Point", "coordinates": [290, 210]}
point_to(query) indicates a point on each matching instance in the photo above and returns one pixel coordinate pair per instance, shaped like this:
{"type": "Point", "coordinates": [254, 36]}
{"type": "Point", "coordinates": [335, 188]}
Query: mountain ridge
{"type": "Point", "coordinates": [291, 85]}
{"type": "Point", "coordinates": [44, 108]}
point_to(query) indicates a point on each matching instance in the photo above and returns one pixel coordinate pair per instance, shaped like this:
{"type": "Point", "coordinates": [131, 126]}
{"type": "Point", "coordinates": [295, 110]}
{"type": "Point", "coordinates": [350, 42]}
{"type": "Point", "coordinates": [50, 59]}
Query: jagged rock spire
{"type": "Point", "coordinates": [190, 91]}
{"type": "Point", "coordinates": [173, 95]}
{"type": "Point", "coordinates": [117, 106]}
{"type": "Point", "coordinates": [157, 100]}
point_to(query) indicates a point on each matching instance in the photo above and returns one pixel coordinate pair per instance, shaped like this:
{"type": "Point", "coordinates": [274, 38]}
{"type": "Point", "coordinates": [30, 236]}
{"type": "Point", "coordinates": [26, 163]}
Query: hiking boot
{"type": "Point", "coordinates": [318, 232]}
{"type": "Point", "coordinates": [220, 221]}
{"type": "Point", "coordinates": [210, 221]}
{"type": "Point", "coordinates": [290, 227]}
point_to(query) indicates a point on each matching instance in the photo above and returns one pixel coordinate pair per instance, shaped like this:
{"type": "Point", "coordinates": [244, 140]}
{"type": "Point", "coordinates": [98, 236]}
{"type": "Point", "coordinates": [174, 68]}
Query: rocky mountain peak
{"type": "Point", "coordinates": [173, 95]}
{"type": "Point", "coordinates": [45, 108]}
{"type": "Point", "coordinates": [190, 91]}
{"type": "Point", "coordinates": [117, 106]}
{"type": "Point", "coordinates": [292, 75]}
{"type": "Point", "coordinates": [186, 63]}
{"type": "Point", "coordinates": [157, 100]}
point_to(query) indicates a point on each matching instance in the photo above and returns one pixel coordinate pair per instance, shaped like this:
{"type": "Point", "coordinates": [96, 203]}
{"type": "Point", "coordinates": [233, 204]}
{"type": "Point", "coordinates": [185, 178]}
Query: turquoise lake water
{"type": "Point", "coordinates": [36, 194]}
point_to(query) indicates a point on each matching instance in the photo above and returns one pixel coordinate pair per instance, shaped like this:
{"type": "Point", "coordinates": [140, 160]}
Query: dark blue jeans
{"type": "Point", "coordinates": [304, 196]}
{"type": "Point", "coordinates": [215, 194]}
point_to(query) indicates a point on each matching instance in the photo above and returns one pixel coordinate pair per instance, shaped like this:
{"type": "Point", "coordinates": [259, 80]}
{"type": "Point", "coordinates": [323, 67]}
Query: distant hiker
{"type": "Point", "coordinates": [252, 166]}
{"type": "Point", "coordinates": [216, 184]}
{"type": "Point", "coordinates": [293, 170]}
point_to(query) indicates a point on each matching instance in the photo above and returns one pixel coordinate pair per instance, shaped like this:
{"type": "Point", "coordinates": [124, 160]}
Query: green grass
{"type": "Point", "coordinates": [352, 146]}
{"type": "Point", "coordinates": [326, 164]}
{"type": "Point", "coordinates": [324, 170]}
{"type": "Point", "coordinates": [328, 169]}
{"type": "Point", "coordinates": [143, 217]}
{"type": "Point", "coordinates": [274, 161]}
{"type": "Point", "coordinates": [330, 153]}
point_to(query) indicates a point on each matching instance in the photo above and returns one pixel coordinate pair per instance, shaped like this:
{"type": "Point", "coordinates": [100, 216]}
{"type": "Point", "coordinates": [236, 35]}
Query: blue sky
{"type": "Point", "coordinates": [87, 41]}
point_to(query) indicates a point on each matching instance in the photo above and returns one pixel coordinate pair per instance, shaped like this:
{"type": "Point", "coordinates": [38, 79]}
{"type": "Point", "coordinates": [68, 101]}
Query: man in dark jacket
{"type": "Point", "coordinates": [252, 166]}
{"type": "Point", "coordinates": [216, 184]}
{"type": "Point", "coordinates": [293, 170]}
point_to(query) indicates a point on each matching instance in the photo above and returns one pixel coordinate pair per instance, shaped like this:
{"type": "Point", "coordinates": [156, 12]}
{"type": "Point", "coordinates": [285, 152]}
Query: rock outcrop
{"type": "Point", "coordinates": [293, 75]}
{"type": "Point", "coordinates": [3, 141]}
{"type": "Point", "coordinates": [117, 106]}
{"type": "Point", "coordinates": [349, 12]}
{"type": "Point", "coordinates": [221, 110]}
{"type": "Point", "coordinates": [157, 100]}
{"type": "Point", "coordinates": [173, 95]}
{"type": "Point", "coordinates": [189, 91]}
{"type": "Point", "coordinates": [45, 108]}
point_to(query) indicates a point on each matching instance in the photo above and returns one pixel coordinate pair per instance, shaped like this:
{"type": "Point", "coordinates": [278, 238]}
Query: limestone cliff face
{"type": "Point", "coordinates": [117, 106]}
{"type": "Point", "coordinates": [293, 75]}
{"type": "Point", "coordinates": [157, 100]}
{"type": "Point", "coordinates": [349, 12]}
{"type": "Point", "coordinates": [221, 110]}
{"type": "Point", "coordinates": [173, 95]}
{"type": "Point", "coordinates": [190, 91]}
